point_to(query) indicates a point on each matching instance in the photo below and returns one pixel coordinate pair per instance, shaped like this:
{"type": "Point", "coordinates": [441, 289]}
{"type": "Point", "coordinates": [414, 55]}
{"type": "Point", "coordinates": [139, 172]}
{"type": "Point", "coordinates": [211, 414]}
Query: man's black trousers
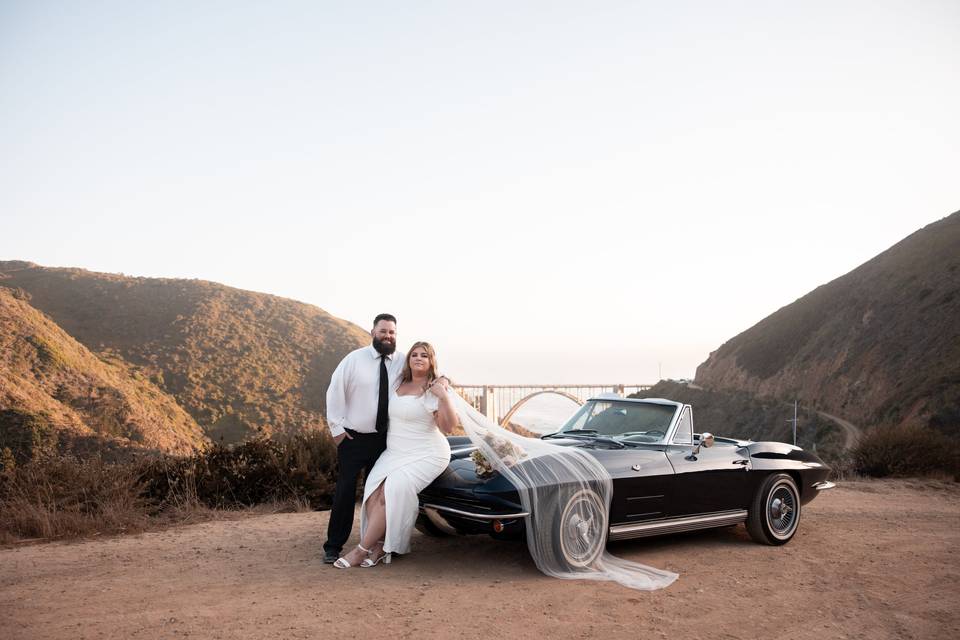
{"type": "Point", "coordinates": [353, 456]}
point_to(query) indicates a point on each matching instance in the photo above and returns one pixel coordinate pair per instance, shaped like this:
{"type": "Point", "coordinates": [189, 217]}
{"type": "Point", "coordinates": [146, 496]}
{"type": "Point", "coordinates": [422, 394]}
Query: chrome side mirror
{"type": "Point", "coordinates": [706, 440]}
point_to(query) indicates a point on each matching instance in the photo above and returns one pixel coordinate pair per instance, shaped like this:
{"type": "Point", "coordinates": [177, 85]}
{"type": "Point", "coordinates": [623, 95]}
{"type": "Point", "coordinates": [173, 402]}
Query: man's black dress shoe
{"type": "Point", "coordinates": [329, 557]}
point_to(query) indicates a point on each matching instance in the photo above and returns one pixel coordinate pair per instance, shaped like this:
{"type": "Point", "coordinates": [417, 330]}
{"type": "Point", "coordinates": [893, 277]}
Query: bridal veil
{"type": "Point", "coordinates": [567, 493]}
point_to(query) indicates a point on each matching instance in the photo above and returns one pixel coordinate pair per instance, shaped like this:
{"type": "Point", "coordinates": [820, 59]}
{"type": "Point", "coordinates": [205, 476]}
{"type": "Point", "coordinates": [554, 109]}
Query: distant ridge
{"type": "Point", "coordinates": [55, 393]}
{"type": "Point", "coordinates": [240, 363]}
{"type": "Point", "coordinates": [879, 345]}
{"type": "Point", "coordinates": [740, 414]}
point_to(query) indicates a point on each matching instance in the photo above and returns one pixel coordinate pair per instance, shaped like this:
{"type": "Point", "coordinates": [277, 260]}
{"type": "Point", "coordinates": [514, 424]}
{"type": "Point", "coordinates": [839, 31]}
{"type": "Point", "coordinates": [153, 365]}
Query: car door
{"type": "Point", "coordinates": [642, 477]}
{"type": "Point", "coordinates": [715, 479]}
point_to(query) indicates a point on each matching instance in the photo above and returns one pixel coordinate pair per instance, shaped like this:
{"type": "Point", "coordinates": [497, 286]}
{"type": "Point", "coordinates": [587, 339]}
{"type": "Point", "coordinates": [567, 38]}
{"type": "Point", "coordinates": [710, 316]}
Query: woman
{"type": "Point", "coordinates": [417, 452]}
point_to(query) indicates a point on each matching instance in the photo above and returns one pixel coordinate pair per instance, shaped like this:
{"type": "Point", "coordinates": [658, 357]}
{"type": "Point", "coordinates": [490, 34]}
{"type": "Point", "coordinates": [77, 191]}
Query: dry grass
{"type": "Point", "coordinates": [64, 497]}
{"type": "Point", "coordinates": [905, 451]}
{"type": "Point", "coordinates": [59, 497]}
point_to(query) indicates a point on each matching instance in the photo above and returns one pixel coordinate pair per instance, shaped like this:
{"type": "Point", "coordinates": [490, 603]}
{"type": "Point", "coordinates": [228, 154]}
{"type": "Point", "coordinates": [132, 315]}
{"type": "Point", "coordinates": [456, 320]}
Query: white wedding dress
{"type": "Point", "coordinates": [417, 452]}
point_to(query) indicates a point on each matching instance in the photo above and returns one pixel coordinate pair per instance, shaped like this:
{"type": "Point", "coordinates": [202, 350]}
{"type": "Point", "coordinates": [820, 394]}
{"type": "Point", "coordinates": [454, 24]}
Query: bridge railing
{"type": "Point", "coordinates": [497, 401]}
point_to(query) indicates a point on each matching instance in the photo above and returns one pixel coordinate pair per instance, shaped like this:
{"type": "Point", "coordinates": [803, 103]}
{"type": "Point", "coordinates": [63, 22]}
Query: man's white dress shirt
{"type": "Point", "coordinates": [355, 388]}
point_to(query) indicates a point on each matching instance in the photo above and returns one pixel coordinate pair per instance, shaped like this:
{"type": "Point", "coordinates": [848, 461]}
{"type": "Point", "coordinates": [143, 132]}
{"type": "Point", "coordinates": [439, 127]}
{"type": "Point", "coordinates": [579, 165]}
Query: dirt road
{"type": "Point", "coordinates": [851, 432]}
{"type": "Point", "coordinates": [871, 560]}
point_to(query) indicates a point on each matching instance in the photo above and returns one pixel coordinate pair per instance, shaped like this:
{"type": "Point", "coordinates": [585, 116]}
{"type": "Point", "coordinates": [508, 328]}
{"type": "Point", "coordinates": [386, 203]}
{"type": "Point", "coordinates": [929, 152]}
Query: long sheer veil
{"type": "Point", "coordinates": [567, 493]}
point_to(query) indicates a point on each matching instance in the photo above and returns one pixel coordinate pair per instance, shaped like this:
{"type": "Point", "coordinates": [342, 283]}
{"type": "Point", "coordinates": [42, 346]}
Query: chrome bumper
{"type": "Point", "coordinates": [823, 486]}
{"type": "Point", "coordinates": [469, 514]}
{"type": "Point", "coordinates": [435, 514]}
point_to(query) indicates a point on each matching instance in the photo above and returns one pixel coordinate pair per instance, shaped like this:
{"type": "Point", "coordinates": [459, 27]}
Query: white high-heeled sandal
{"type": "Point", "coordinates": [343, 563]}
{"type": "Point", "coordinates": [372, 562]}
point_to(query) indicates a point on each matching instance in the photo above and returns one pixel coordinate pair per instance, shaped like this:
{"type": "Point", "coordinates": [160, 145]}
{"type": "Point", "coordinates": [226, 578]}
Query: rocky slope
{"type": "Point", "coordinates": [55, 393]}
{"type": "Point", "coordinates": [240, 363]}
{"type": "Point", "coordinates": [739, 414]}
{"type": "Point", "coordinates": [879, 345]}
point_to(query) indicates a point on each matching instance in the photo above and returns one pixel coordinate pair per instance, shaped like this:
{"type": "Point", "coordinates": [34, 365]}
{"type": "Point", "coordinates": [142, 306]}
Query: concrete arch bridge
{"type": "Point", "coordinates": [499, 402]}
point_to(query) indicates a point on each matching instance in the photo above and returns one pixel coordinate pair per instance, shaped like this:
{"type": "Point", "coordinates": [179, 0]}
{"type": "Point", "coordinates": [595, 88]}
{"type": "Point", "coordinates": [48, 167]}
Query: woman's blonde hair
{"type": "Point", "coordinates": [407, 375]}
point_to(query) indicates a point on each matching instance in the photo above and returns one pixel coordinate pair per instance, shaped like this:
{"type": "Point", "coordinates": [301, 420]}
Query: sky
{"type": "Point", "coordinates": [549, 192]}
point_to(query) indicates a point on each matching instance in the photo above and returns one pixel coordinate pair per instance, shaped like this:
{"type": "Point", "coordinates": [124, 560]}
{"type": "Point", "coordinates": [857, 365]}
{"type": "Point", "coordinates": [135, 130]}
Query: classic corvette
{"type": "Point", "coordinates": [666, 479]}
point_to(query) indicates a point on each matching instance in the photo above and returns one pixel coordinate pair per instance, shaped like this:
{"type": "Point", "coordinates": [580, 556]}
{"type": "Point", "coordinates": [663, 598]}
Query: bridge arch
{"type": "Point", "coordinates": [506, 418]}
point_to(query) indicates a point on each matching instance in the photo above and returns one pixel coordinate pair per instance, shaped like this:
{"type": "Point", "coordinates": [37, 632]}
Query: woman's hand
{"type": "Point", "coordinates": [437, 388]}
{"type": "Point", "coordinates": [445, 414]}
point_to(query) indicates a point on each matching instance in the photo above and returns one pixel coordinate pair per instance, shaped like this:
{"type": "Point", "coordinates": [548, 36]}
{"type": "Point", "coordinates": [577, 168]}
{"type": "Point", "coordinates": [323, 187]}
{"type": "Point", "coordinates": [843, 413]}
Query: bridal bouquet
{"type": "Point", "coordinates": [508, 452]}
{"type": "Point", "coordinates": [481, 463]}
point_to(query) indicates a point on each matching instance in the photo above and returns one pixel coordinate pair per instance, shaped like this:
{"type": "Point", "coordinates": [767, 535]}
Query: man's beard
{"type": "Point", "coordinates": [384, 347]}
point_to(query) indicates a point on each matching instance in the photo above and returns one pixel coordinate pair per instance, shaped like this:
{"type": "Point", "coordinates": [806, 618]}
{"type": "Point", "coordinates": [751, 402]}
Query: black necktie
{"type": "Point", "coordinates": [383, 418]}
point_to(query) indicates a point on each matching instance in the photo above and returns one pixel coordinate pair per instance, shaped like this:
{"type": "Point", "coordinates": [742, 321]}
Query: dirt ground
{"type": "Point", "coordinates": [872, 559]}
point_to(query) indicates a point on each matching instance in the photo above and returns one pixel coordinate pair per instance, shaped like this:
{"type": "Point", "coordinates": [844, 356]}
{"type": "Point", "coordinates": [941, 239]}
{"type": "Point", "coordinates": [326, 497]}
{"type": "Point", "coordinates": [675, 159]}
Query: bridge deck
{"type": "Point", "coordinates": [500, 401]}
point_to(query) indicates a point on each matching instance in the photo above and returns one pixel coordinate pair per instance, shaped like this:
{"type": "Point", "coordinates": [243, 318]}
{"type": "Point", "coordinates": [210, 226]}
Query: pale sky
{"type": "Point", "coordinates": [547, 191]}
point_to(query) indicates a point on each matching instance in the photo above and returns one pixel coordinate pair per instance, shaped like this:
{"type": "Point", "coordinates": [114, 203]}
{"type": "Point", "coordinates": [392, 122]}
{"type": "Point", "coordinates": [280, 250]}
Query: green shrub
{"type": "Point", "coordinates": [7, 462]}
{"type": "Point", "coordinates": [49, 353]}
{"type": "Point", "coordinates": [302, 468]}
{"type": "Point", "coordinates": [27, 435]}
{"type": "Point", "coordinates": [905, 451]}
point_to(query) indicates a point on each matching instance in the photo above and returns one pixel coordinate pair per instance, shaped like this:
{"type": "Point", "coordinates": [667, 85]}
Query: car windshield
{"type": "Point", "coordinates": [636, 421]}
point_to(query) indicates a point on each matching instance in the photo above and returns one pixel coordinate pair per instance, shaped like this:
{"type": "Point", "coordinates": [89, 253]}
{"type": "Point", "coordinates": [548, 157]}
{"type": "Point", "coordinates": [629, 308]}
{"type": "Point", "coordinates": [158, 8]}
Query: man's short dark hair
{"type": "Point", "coordinates": [384, 316]}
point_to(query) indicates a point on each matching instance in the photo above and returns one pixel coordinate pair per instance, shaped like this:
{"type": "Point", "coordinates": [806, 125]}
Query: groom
{"type": "Point", "coordinates": [357, 415]}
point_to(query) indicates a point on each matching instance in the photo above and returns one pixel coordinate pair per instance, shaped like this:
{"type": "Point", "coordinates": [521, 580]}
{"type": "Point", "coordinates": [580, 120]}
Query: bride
{"type": "Point", "coordinates": [417, 452]}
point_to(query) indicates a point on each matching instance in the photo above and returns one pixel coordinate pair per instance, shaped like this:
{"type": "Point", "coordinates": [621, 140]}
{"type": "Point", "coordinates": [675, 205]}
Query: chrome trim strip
{"type": "Point", "coordinates": [462, 449]}
{"type": "Point", "coordinates": [823, 486]}
{"type": "Point", "coordinates": [676, 427]}
{"type": "Point", "coordinates": [672, 427]}
{"type": "Point", "coordinates": [478, 516]}
{"type": "Point", "coordinates": [640, 515]}
{"type": "Point", "coordinates": [676, 525]}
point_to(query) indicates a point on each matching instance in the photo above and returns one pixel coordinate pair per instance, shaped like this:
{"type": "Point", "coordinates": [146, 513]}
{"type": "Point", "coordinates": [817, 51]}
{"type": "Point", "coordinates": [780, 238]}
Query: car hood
{"type": "Point", "coordinates": [460, 476]}
{"type": "Point", "coordinates": [462, 448]}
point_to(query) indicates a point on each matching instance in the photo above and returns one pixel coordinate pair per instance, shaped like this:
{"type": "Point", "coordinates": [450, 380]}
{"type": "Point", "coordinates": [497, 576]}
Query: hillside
{"type": "Point", "coordinates": [879, 345]}
{"type": "Point", "coordinates": [240, 363]}
{"type": "Point", "coordinates": [738, 414]}
{"type": "Point", "coordinates": [55, 393]}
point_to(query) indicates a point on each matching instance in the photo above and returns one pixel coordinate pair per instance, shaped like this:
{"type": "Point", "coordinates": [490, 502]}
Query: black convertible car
{"type": "Point", "coordinates": [666, 479]}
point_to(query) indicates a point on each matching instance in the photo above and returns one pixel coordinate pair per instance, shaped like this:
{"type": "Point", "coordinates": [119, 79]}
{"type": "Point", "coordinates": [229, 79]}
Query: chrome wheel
{"type": "Point", "coordinates": [775, 512]}
{"type": "Point", "coordinates": [781, 516]}
{"type": "Point", "coordinates": [583, 528]}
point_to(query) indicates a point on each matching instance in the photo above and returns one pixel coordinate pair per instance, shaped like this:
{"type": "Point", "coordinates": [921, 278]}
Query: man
{"type": "Point", "coordinates": [357, 405]}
